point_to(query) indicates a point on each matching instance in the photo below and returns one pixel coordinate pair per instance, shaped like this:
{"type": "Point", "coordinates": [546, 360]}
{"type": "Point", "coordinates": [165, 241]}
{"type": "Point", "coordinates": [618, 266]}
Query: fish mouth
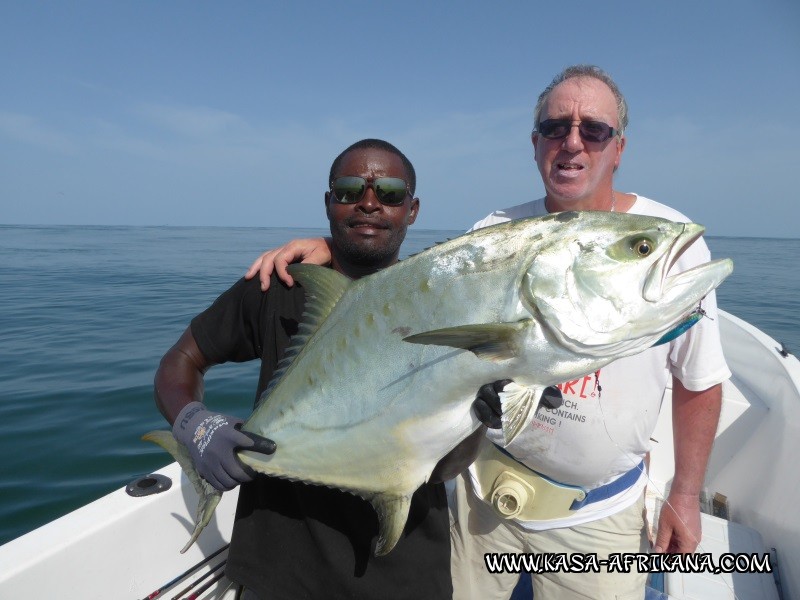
{"type": "Point", "coordinates": [653, 289]}
{"type": "Point", "coordinates": [666, 290]}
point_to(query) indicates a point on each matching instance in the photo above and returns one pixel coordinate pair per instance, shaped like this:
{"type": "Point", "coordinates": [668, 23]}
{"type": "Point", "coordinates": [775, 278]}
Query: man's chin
{"type": "Point", "coordinates": [568, 196]}
{"type": "Point", "coordinates": [367, 251]}
{"type": "Point", "coordinates": [365, 255]}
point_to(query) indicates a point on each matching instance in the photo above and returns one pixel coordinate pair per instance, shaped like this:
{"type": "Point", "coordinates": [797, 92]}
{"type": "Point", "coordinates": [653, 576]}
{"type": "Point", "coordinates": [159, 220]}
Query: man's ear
{"type": "Point", "coordinates": [534, 139]}
{"type": "Point", "coordinates": [620, 149]}
{"type": "Point", "coordinates": [328, 205]}
{"type": "Point", "coordinates": [412, 214]}
{"type": "Point", "coordinates": [622, 141]}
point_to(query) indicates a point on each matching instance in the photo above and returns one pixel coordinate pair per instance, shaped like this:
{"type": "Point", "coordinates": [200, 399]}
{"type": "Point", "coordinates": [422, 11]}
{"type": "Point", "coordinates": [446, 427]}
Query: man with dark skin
{"type": "Point", "coordinates": [578, 140]}
{"type": "Point", "coordinates": [291, 540]}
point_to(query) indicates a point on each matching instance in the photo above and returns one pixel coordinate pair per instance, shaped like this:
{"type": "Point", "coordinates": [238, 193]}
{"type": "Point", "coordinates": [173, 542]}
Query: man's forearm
{"type": "Point", "coordinates": [459, 458]}
{"type": "Point", "coordinates": [695, 416]}
{"type": "Point", "coordinates": [179, 378]}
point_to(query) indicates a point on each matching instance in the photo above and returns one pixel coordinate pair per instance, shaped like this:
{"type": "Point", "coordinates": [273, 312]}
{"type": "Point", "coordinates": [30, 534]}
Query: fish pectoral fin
{"type": "Point", "coordinates": [208, 494]}
{"type": "Point", "coordinates": [518, 403]}
{"type": "Point", "coordinates": [488, 341]}
{"type": "Point", "coordinates": [392, 516]}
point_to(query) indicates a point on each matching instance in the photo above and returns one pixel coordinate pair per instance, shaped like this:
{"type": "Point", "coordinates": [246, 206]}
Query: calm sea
{"type": "Point", "coordinates": [87, 312]}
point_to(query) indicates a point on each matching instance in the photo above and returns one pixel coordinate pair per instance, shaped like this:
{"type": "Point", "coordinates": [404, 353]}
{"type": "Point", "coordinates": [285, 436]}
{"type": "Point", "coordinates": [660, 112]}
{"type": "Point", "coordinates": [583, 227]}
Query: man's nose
{"type": "Point", "coordinates": [573, 142]}
{"type": "Point", "coordinates": [369, 201]}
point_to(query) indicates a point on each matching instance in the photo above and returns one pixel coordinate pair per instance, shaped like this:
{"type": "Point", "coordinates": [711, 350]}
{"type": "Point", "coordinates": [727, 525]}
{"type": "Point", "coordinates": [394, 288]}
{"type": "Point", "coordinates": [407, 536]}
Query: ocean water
{"type": "Point", "coordinates": [87, 312]}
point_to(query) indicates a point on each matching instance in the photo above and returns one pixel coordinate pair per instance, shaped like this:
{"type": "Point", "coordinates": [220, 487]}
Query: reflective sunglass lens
{"type": "Point", "coordinates": [348, 190]}
{"type": "Point", "coordinates": [390, 190]}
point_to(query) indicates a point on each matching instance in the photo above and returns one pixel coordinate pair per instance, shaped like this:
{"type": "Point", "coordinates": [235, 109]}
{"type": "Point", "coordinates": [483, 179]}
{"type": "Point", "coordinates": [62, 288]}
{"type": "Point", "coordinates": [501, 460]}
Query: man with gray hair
{"type": "Point", "coordinates": [586, 446]}
{"type": "Point", "coordinates": [571, 485]}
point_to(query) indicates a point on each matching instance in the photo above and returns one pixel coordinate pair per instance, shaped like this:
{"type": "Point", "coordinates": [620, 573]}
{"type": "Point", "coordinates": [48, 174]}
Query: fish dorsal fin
{"type": "Point", "coordinates": [488, 341]}
{"type": "Point", "coordinates": [323, 288]}
{"type": "Point", "coordinates": [392, 516]}
{"type": "Point", "coordinates": [428, 248]}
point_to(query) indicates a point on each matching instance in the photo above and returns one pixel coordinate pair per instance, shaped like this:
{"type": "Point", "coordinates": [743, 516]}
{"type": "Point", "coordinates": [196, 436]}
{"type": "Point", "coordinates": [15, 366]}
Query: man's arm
{"type": "Point", "coordinates": [179, 378]}
{"type": "Point", "coordinates": [212, 439]}
{"type": "Point", "coordinates": [459, 458]}
{"type": "Point", "coordinates": [315, 251]}
{"type": "Point", "coordinates": [695, 416]}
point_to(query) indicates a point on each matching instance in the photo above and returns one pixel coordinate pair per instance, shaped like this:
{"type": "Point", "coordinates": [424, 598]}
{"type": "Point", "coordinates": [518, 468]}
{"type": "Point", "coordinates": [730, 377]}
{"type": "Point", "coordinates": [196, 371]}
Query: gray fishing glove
{"type": "Point", "coordinates": [212, 440]}
{"type": "Point", "coordinates": [487, 402]}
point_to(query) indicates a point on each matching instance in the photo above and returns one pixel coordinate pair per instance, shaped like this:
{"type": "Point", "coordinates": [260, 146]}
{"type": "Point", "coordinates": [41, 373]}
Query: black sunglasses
{"type": "Point", "coordinates": [390, 191]}
{"type": "Point", "coordinates": [590, 131]}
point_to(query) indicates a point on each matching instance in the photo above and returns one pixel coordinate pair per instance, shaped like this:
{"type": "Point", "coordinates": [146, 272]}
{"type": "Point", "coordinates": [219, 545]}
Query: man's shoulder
{"type": "Point", "coordinates": [252, 288]}
{"type": "Point", "coordinates": [652, 208]}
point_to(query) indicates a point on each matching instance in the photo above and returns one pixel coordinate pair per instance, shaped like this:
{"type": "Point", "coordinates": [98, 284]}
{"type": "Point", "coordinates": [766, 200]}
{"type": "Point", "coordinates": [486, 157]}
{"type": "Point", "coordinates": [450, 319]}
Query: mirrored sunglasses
{"type": "Point", "coordinates": [590, 131]}
{"type": "Point", "coordinates": [390, 191]}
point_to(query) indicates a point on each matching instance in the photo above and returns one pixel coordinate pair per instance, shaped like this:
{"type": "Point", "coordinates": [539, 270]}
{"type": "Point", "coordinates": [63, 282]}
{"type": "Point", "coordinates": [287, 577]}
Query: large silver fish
{"type": "Point", "coordinates": [379, 383]}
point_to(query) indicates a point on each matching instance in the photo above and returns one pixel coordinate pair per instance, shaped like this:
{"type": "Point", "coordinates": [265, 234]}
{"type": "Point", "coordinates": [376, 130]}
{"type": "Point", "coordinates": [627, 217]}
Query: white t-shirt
{"type": "Point", "coordinates": [595, 437]}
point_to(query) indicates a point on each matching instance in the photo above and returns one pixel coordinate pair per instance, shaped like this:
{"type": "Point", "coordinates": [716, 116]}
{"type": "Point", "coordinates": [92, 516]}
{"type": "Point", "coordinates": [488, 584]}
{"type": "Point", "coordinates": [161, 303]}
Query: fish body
{"type": "Point", "coordinates": [378, 386]}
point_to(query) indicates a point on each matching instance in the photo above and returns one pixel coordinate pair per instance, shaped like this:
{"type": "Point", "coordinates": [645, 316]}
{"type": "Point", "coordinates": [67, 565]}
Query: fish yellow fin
{"type": "Point", "coordinates": [488, 341]}
{"type": "Point", "coordinates": [518, 403]}
{"type": "Point", "coordinates": [209, 495]}
{"type": "Point", "coordinates": [392, 516]}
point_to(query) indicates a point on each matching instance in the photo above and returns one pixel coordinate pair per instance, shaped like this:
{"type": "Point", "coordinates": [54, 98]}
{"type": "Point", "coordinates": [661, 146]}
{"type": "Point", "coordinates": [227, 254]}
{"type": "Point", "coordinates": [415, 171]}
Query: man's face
{"type": "Point", "coordinates": [574, 170]}
{"type": "Point", "coordinates": [368, 233]}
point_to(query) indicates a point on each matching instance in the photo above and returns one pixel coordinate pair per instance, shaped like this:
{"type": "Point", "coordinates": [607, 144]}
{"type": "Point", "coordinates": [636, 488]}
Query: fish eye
{"type": "Point", "coordinates": [642, 247]}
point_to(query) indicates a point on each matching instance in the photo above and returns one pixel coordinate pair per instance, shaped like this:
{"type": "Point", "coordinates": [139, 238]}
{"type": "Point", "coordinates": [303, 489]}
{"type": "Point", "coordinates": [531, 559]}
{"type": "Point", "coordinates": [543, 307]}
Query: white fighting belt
{"type": "Point", "coordinates": [517, 492]}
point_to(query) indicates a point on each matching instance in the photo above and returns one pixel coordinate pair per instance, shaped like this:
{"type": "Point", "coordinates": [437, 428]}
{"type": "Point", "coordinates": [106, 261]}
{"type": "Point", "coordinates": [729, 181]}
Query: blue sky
{"type": "Point", "coordinates": [212, 113]}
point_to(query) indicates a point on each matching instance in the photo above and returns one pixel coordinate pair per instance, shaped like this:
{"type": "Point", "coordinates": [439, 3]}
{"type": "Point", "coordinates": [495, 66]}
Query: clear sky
{"type": "Point", "coordinates": [229, 113]}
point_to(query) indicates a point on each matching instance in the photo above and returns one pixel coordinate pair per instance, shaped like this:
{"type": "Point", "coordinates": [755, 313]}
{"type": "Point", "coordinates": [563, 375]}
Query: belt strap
{"type": "Point", "coordinates": [621, 483]}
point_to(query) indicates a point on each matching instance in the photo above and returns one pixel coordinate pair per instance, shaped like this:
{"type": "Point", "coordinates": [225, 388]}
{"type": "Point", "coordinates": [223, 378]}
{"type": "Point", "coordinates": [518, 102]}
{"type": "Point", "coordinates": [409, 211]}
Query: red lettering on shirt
{"type": "Point", "coordinates": [586, 380]}
{"type": "Point", "coordinates": [567, 388]}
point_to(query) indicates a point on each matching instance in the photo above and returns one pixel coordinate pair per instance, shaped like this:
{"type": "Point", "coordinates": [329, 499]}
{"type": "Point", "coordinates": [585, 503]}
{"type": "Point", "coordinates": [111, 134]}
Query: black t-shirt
{"type": "Point", "coordinates": [291, 540]}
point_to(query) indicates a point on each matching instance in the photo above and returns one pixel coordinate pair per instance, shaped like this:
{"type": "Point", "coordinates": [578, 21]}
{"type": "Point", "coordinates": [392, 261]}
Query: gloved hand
{"type": "Point", "coordinates": [487, 402]}
{"type": "Point", "coordinates": [212, 440]}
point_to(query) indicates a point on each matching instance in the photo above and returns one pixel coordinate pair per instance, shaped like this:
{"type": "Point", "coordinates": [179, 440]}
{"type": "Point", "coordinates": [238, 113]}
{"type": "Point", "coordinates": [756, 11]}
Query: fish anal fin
{"type": "Point", "coordinates": [518, 403]}
{"type": "Point", "coordinates": [392, 516]}
{"type": "Point", "coordinates": [208, 494]}
{"type": "Point", "coordinates": [488, 341]}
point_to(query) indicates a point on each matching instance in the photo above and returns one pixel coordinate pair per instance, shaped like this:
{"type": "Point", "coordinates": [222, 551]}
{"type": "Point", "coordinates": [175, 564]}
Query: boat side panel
{"type": "Point", "coordinates": [115, 547]}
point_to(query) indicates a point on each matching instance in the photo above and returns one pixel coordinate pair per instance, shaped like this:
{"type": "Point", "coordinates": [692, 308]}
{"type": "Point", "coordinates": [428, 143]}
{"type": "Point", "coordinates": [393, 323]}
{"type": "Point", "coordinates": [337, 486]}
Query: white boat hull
{"type": "Point", "coordinates": [125, 548]}
{"type": "Point", "coordinates": [117, 547]}
{"type": "Point", "coordinates": [754, 463]}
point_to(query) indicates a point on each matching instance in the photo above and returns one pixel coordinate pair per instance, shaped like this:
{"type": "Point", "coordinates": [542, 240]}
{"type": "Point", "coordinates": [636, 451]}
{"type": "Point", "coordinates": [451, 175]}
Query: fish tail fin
{"type": "Point", "coordinates": [392, 516]}
{"type": "Point", "coordinates": [209, 496]}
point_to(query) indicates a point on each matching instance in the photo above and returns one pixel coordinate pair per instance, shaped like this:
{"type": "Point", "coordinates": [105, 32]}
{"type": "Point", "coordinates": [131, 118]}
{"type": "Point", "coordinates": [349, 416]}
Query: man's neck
{"type": "Point", "coordinates": [354, 271]}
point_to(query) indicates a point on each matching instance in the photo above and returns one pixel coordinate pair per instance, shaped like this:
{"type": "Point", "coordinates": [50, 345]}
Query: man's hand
{"type": "Point", "coordinates": [488, 408]}
{"type": "Point", "coordinates": [315, 251]}
{"type": "Point", "coordinates": [679, 524]}
{"type": "Point", "coordinates": [212, 440]}
{"type": "Point", "coordinates": [487, 404]}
